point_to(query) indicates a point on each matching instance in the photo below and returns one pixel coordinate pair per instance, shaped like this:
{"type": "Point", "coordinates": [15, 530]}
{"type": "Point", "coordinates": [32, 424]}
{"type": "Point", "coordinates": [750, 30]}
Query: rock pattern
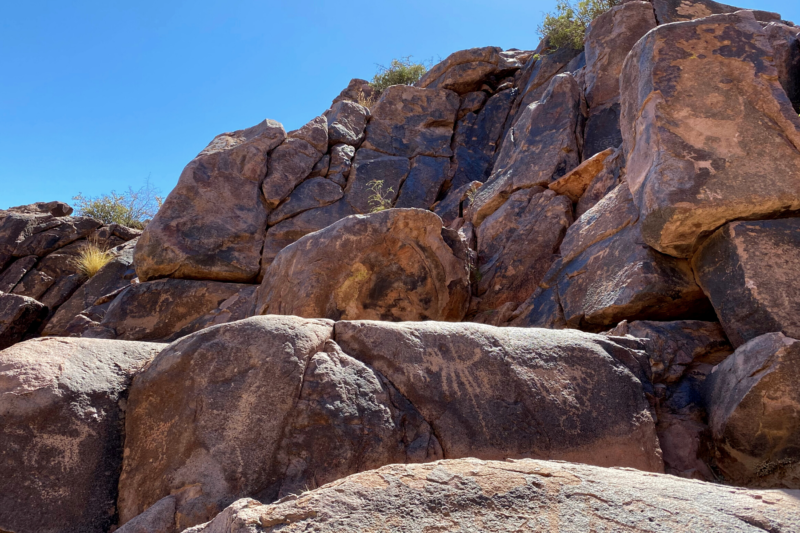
{"type": "Point", "coordinates": [391, 265]}
{"type": "Point", "coordinates": [668, 11]}
{"type": "Point", "coordinates": [62, 410]}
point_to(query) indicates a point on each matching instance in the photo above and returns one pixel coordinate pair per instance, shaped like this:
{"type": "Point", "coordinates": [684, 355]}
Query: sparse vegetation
{"type": "Point", "coordinates": [401, 71]}
{"type": "Point", "coordinates": [366, 101]}
{"type": "Point", "coordinates": [132, 208]}
{"type": "Point", "coordinates": [91, 259]}
{"type": "Point", "coordinates": [379, 200]}
{"type": "Point", "coordinates": [567, 26]}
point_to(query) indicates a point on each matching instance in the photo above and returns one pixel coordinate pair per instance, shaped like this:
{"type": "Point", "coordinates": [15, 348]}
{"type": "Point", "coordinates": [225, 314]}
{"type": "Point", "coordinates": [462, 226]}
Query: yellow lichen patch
{"type": "Point", "coordinates": [347, 293]}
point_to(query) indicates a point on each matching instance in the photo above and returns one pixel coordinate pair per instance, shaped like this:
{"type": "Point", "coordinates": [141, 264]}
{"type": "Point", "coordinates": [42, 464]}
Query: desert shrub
{"type": "Point", "coordinates": [379, 200]}
{"type": "Point", "coordinates": [401, 71]}
{"type": "Point", "coordinates": [567, 26]}
{"type": "Point", "coordinates": [91, 259]}
{"type": "Point", "coordinates": [133, 208]}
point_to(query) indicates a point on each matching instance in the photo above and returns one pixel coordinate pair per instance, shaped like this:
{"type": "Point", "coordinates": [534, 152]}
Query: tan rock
{"type": "Point", "coordinates": [605, 182]}
{"type": "Point", "coordinates": [212, 224]}
{"type": "Point", "coordinates": [710, 135]}
{"type": "Point", "coordinates": [56, 209]}
{"type": "Point", "coordinates": [391, 265]}
{"type": "Point", "coordinates": [575, 182]}
{"type": "Point", "coordinates": [355, 89]}
{"type": "Point", "coordinates": [62, 411]}
{"type": "Point", "coordinates": [467, 70]}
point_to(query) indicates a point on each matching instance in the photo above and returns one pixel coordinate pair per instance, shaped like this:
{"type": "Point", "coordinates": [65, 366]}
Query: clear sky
{"type": "Point", "coordinates": [98, 95]}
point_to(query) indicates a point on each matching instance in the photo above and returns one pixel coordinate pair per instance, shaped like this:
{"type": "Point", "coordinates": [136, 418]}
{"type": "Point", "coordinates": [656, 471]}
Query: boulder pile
{"type": "Point", "coordinates": [544, 289]}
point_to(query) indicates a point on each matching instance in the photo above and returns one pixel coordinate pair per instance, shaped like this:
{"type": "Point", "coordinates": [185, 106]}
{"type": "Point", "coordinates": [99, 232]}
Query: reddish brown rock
{"type": "Point", "coordinates": [467, 70]}
{"type": "Point", "coordinates": [500, 496]}
{"type": "Point", "coordinates": [212, 224]}
{"type": "Point", "coordinates": [605, 182]}
{"type": "Point", "coordinates": [56, 209]}
{"type": "Point", "coordinates": [517, 244]}
{"type": "Point", "coordinates": [16, 271]}
{"type": "Point", "coordinates": [355, 89]}
{"type": "Point", "coordinates": [48, 237]}
{"type": "Point", "coordinates": [391, 265]}
{"type": "Point", "coordinates": [575, 182]}
{"type": "Point", "coordinates": [749, 272]}
{"type": "Point", "coordinates": [159, 518]}
{"type": "Point", "coordinates": [15, 227]}
{"type": "Point", "coordinates": [497, 393]}
{"type": "Point", "coordinates": [785, 41]}
{"type": "Point", "coordinates": [471, 102]}
{"type": "Point", "coordinates": [542, 146]}
{"type": "Point", "coordinates": [20, 317]}
{"type": "Point", "coordinates": [710, 135]}
{"type": "Point", "coordinates": [368, 167]}
{"type": "Point", "coordinates": [668, 11]}
{"type": "Point", "coordinates": [456, 202]}
{"type": "Point", "coordinates": [346, 123]}
{"type": "Point", "coordinates": [754, 413]}
{"type": "Point", "coordinates": [312, 193]}
{"type": "Point", "coordinates": [425, 179]}
{"type": "Point", "coordinates": [410, 121]}
{"type": "Point", "coordinates": [62, 411]}
{"type": "Point", "coordinates": [538, 73]}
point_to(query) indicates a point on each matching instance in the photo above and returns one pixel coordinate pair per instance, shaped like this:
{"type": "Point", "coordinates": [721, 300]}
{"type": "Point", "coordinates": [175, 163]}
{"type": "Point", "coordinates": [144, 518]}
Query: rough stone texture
{"type": "Point", "coordinates": [710, 135]}
{"type": "Point", "coordinates": [159, 518]}
{"type": "Point", "coordinates": [321, 167]}
{"type": "Point", "coordinates": [575, 182]}
{"type": "Point", "coordinates": [476, 139]}
{"type": "Point", "coordinates": [391, 265]}
{"type": "Point", "coordinates": [467, 70]}
{"type": "Point", "coordinates": [754, 413]}
{"type": "Point", "coordinates": [542, 146]}
{"type": "Point", "coordinates": [605, 182]}
{"type": "Point", "coordinates": [538, 73]}
{"type": "Point", "coordinates": [668, 11]}
{"type": "Point", "coordinates": [212, 224]}
{"type": "Point", "coordinates": [160, 310]}
{"type": "Point", "coordinates": [410, 121]}
{"type": "Point", "coordinates": [50, 236]}
{"type": "Point", "coordinates": [61, 417]}
{"type": "Point", "coordinates": [346, 123]}
{"type": "Point", "coordinates": [14, 227]}
{"type": "Point", "coordinates": [519, 495]}
{"type": "Point", "coordinates": [56, 209]}
{"type": "Point", "coordinates": [355, 88]}
{"type": "Point", "coordinates": [495, 393]}
{"type": "Point", "coordinates": [471, 102]}
{"type": "Point", "coordinates": [543, 309]}
{"type": "Point", "coordinates": [749, 272]}
{"type": "Point", "coordinates": [602, 129]}
{"type": "Point", "coordinates": [19, 316]}
{"type": "Point", "coordinates": [452, 207]}
{"type": "Point", "coordinates": [341, 157]}
{"type": "Point", "coordinates": [425, 179]}
{"type": "Point", "coordinates": [369, 166]}
{"type": "Point", "coordinates": [312, 193]}
{"type": "Point", "coordinates": [786, 45]}
{"type": "Point", "coordinates": [518, 243]}
{"type": "Point", "coordinates": [16, 271]}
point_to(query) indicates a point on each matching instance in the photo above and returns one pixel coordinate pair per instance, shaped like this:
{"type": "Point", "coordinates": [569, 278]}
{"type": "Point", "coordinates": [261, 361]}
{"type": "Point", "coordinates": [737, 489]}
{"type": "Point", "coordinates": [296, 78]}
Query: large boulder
{"type": "Point", "coordinates": [410, 121]}
{"type": "Point", "coordinates": [709, 133]}
{"type": "Point", "coordinates": [668, 11]}
{"type": "Point", "coordinates": [467, 70]}
{"type": "Point", "coordinates": [346, 123]}
{"type": "Point", "coordinates": [496, 393]}
{"type": "Point", "coordinates": [391, 265]}
{"type": "Point", "coordinates": [520, 495]}
{"type": "Point", "coordinates": [20, 317]}
{"type": "Point", "coordinates": [749, 272]}
{"type": "Point", "coordinates": [212, 224]}
{"type": "Point", "coordinates": [754, 413]}
{"type": "Point", "coordinates": [203, 427]}
{"type": "Point", "coordinates": [56, 209]}
{"type": "Point", "coordinates": [542, 146]}
{"type": "Point", "coordinates": [62, 411]}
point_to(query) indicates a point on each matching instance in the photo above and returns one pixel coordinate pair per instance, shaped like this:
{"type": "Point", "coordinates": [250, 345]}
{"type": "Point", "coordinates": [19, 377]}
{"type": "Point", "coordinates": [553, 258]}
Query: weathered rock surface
{"type": "Point", "coordinates": [749, 272]}
{"type": "Point", "coordinates": [49, 236]}
{"type": "Point", "coordinates": [61, 418]}
{"type": "Point", "coordinates": [710, 135]}
{"type": "Point", "coordinates": [391, 265]}
{"type": "Point", "coordinates": [467, 70]}
{"type": "Point", "coordinates": [346, 123]}
{"type": "Point", "coordinates": [496, 393]}
{"type": "Point", "coordinates": [20, 316]}
{"type": "Point", "coordinates": [456, 202]}
{"type": "Point", "coordinates": [16, 271]}
{"type": "Point", "coordinates": [312, 193]}
{"type": "Point", "coordinates": [212, 224]}
{"type": "Point", "coordinates": [605, 182]}
{"type": "Point", "coordinates": [542, 146]}
{"type": "Point", "coordinates": [368, 167]}
{"type": "Point", "coordinates": [496, 497]}
{"type": "Point", "coordinates": [668, 11]}
{"type": "Point", "coordinates": [159, 518]}
{"type": "Point", "coordinates": [56, 209]}
{"type": "Point", "coordinates": [357, 87]}
{"type": "Point", "coordinates": [785, 43]}
{"type": "Point", "coordinates": [538, 73]}
{"type": "Point", "coordinates": [425, 178]}
{"type": "Point", "coordinates": [410, 121]}
{"type": "Point", "coordinates": [575, 182]}
{"type": "Point", "coordinates": [754, 413]}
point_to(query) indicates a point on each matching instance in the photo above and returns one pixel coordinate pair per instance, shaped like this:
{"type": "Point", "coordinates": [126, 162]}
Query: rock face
{"type": "Point", "coordinates": [668, 11]}
{"type": "Point", "coordinates": [61, 418]}
{"type": "Point", "coordinates": [749, 272]}
{"type": "Point", "coordinates": [467, 70]}
{"type": "Point", "coordinates": [391, 265]}
{"type": "Point", "coordinates": [710, 135]}
{"type": "Point", "coordinates": [212, 224]}
{"type": "Point", "coordinates": [512, 496]}
{"type": "Point", "coordinates": [495, 393]}
{"type": "Point", "coordinates": [20, 316]}
{"type": "Point", "coordinates": [754, 413]}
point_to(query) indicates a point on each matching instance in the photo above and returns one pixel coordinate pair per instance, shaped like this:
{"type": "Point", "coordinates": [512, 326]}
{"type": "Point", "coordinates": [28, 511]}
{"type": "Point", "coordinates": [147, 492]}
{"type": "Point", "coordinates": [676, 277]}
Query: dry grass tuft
{"type": "Point", "coordinates": [91, 259]}
{"type": "Point", "coordinates": [366, 101]}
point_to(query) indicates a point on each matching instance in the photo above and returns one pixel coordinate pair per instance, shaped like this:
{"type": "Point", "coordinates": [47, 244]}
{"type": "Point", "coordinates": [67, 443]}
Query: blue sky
{"type": "Point", "coordinates": [97, 96]}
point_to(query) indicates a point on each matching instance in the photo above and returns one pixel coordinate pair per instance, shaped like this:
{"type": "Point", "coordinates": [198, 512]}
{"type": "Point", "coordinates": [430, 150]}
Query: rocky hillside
{"type": "Point", "coordinates": [585, 260]}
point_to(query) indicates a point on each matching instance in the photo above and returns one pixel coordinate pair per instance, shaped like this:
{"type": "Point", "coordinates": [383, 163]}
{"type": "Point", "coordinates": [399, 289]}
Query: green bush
{"type": "Point", "coordinates": [567, 26]}
{"type": "Point", "coordinates": [402, 71]}
{"type": "Point", "coordinates": [132, 209]}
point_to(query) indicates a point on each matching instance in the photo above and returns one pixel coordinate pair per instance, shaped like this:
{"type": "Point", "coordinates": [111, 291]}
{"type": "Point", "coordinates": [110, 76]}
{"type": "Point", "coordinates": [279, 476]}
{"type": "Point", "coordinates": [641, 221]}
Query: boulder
{"type": "Point", "coordinates": [16, 271]}
{"type": "Point", "coordinates": [749, 272]}
{"type": "Point", "coordinates": [498, 496]}
{"type": "Point", "coordinates": [603, 183]}
{"type": "Point", "coordinates": [321, 167]}
{"type": "Point", "coordinates": [668, 11]}
{"type": "Point", "coordinates": [497, 393]}
{"type": "Point", "coordinates": [410, 121]}
{"type": "Point", "coordinates": [212, 224]}
{"type": "Point", "coordinates": [14, 227]}
{"type": "Point", "coordinates": [709, 134]}
{"type": "Point", "coordinates": [346, 123]}
{"type": "Point", "coordinates": [471, 102]}
{"type": "Point", "coordinates": [56, 209]}
{"type": "Point", "coordinates": [425, 179]}
{"type": "Point", "coordinates": [312, 193]}
{"type": "Point", "coordinates": [161, 310]}
{"type": "Point", "coordinates": [292, 161]}
{"type": "Point", "coordinates": [390, 265]}
{"type": "Point", "coordinates": [575, 182]}
{"type": "Point", "coordinates": [542, 146]}
{"type": "Point", "coordinates": [62, 411]}
{"type": "Point", "coordinates": [20, 317]}
{"type": "Point", "coordinates": [754, 413]}
{"type": "Point", "coordinates": [368, 168]}
{"type": "Point", "coordinates": [45, 238]}
{"type": "Point", "coordinates": [539, 72]}
{"type": "Point", "coordinates": [517, 244]}
{"type": "Point", "coordinates": [341, 158]}
{"type": "Point", "coordinates": [467, 70]}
